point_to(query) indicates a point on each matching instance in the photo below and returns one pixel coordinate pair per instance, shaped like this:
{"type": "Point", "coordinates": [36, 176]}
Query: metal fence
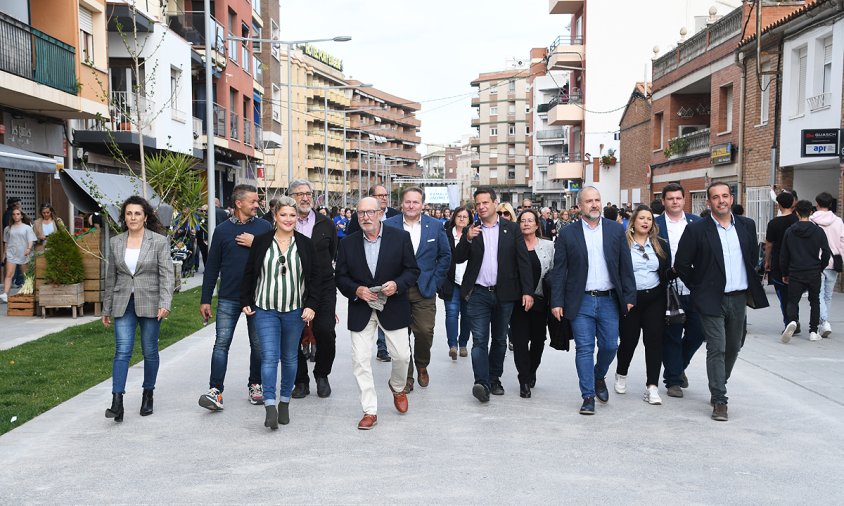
{"type": "Point", "coordinates": [34, 55]}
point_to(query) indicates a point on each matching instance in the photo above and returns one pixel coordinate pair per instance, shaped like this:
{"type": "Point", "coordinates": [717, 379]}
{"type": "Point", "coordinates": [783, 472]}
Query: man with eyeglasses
{"type": "Point", "coordinates": [382, 196]}
{"type": "Point", "coordinates": [320, 229]}
{"type": "Point", "coordinates": [433, 255]}
{"type": "Point", "coordinates": [376, 268]}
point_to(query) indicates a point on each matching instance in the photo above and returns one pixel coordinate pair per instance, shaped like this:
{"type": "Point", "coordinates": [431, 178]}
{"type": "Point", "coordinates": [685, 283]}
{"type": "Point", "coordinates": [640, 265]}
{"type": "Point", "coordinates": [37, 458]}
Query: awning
{"type": "Point", "coordinates": [92, 191]}
{"type": "Point", "coordinates": [21, 159]}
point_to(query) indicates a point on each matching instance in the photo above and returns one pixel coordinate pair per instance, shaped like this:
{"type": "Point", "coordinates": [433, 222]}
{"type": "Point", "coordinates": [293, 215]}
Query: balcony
{"type": "Point", "coordinates": [548, 186]}
{"type": "Point", "coordinates": [551, 137]}
{"type": "Point", "coordinates": [820, 102]}
{"type": "Point", "coordinates": [565, 167]}
{"type": "Point", "coordinates": [565, 53]}
{"type": "Point", "coordinates": [476, 101]}
{"type": "Point", "coordinates": [198, 132]}
{"type": "Point", "coordinates": [565, 6]}
{"type": "Point", "coordinates": [713, 35]}
{"type": "Point", "coordinates": [691, 144]}
{"type": "Point", "coordinates": [195, 34]}
{"type": "Point", "coordinates": [176, 19]}
{"type": "Point", "coordinates": [566, 110]}
{"type": "Point", "coordinates": [259, 137]}
{"type": "Point", "coordinates": [234, 125]}
{"type": "Point", "coordinates": [34, 55]}
{"type": "Point", "coordinates": [476, 122]}
{"type": "Point", "coordinates": [247, 132]}
{"type": "Point", "coordinates": [124, 128]}
{"type": "Point", "coordinates": [219, 121]}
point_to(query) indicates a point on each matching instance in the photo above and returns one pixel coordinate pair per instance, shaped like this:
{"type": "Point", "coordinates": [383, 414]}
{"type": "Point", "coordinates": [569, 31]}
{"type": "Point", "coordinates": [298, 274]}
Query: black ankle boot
{"type": "Point", "coordinates": [116, 409]}
{"type": "Point", "coordinates": [146, 403]}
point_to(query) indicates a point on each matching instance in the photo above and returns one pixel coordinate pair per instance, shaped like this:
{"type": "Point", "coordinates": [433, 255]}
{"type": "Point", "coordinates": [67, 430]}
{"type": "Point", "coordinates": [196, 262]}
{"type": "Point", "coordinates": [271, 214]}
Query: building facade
{"type": "Point", "coordinates": [635, 143]}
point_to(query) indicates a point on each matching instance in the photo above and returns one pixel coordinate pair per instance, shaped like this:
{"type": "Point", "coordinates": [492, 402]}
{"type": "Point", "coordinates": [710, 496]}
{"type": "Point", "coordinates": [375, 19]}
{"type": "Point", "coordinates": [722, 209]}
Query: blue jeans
{"type": "Point", "coordinates": [598, 317]}
{"type": "Point", "coordinates": [781, 289]}
{"type": "Point", "coordinates": [484, 311]}
{"type": "Point", "coordinates": [382, 341]}
{"type": "Point", "coordinates": [454, 308]}
{"type": "Point", "coordinates": [124, 339]}
{"type": "Point", "coordinates": [228, 312]}
{"type": "Point", "coordinates": [280, 334]}
{"type": "Point", "coordinates": [828, 278]}
{"type": "Point", "coordinates": [680, 343]}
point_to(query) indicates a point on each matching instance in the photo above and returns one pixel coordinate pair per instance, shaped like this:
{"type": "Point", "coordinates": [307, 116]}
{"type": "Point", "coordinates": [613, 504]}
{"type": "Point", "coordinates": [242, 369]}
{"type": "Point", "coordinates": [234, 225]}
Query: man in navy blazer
{"type": "Point", "coordinates": [433, 256]}
{"type": "Point", "coordinates": [681, 340]}
{"type": "Point", "coordinates": [717, 259]}
{"type": "Point", "coordinates": [382, 258]}
{"type": "Point", "coordinates": [592, 286]}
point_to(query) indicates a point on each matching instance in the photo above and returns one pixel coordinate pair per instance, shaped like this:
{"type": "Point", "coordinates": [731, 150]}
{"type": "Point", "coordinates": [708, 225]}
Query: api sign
{"type": "Point", "coordinates": [822, 142]}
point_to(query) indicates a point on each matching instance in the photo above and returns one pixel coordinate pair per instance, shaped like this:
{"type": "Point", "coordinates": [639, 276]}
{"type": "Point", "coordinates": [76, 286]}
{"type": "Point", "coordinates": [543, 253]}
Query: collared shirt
{"type": "Point", "coordinates": [415, 231]}
{"type": "Point", "coordinates": [675, 232]}
{"type": "Point", "coordinates": [734, 269]}
{"type": "Point", "coordinates": [234, 219]}
{"type": "Point", "coordinates": [371, 249]}
{"type": "Point", "coordinates": [488, 275]}
{"type": "Point", "coordinates": [306, 226]}
{"type": "Point", "coordinates": [459, 269]}
{"type": "Point", "coordinates": [281, 286]}
{"type": "Point", "coordinates": [645, 271]}
{"type": "Point", "coordinates": [598, 276]}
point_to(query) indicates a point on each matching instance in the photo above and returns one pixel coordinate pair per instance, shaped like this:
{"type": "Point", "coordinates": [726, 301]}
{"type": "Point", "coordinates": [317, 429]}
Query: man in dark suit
{"type": "Point", "coordinates": [320, 230]}
{"type": "Point", "coordinates": [498, 275]}
{"type": "Point", "coordinates": [592, 286]}
{"type": "Point", "coordinates": [717, 259]}
{"type": "Point", "coordinates": [433, 256]}
{"type": "Point", "coordinates": [681, 340]}
{"type": "Point", "coordinates": [377, 258]}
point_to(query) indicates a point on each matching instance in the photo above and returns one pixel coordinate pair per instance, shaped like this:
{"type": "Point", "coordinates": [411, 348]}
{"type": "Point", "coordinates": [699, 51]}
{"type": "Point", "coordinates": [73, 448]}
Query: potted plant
{"type": "Point", "coordinates": [64, 274]}
{"type": "Point", "coordinates": [609, 159]}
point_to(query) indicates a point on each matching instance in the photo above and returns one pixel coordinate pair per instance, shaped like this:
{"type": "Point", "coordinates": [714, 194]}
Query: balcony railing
{"type": "Point", "coordinates": [689, 144]}
{"type": "Point", "coordinates": [564, 158]}
{"type": "Point", "coordinates": [125, 109]}
{"type": "Point", "coordinates": [176, 19]}
{"type": "Point", "coordinates": [719, 32]}
{"type": "Point", "coordinates": [819, 102]}
{"type": "Point", "coordinates": [247, 132]}
{"type": "Point", "coordinates": [565, 41]}
{"type": "Point", "coordinates": [557, 133]}
{"type": "Point", "coordinates": [195, 31]}
{"type": "Point", "coordinates": [259, 137]}
{"type": "Point", "coordinates": [219, 121]}
{"type": "Point", "coordinates": [34, 55]}
{"type": "Point", "coordinates": [198, 131]}
{"type": "Point", "coordinates": [575, 97]}
{"type": "Point", "coordinates": [234, 123]}
{"type": "Point", "coordinates": [259, 70]}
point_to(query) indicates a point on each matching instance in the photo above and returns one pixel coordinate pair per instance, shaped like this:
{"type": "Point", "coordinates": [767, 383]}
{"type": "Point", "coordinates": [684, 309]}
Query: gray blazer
{"type": "Point", "coordinates": [152, 283]}
{"type": "Point", "coordinates": [545, 252]}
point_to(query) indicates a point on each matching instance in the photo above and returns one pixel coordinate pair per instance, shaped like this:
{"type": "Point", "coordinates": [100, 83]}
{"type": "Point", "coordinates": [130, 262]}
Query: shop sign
{"type": "Point", "coordinates": [721, 154]}
{"type": "Point", "coordinates": [575, 185]}
{"type": "Point", "coordinates": [820, 142]}
{"type": "Point", "coordinates": [323, 56]}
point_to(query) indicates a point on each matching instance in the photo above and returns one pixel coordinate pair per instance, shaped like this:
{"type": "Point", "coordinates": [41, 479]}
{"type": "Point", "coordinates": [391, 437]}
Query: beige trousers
{"type": "Point", "coordinates": [362, 346]}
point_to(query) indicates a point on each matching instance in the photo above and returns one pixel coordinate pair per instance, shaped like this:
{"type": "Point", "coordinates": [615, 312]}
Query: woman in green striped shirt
{"type": "Point", "coordinates": [280, 288]}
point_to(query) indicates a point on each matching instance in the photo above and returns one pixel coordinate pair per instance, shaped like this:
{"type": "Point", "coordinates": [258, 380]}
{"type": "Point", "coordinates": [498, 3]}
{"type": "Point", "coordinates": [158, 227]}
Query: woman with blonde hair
{"type": "Point", "coordinates": [505, 210]}
{"type": "Point", "coordinates": [651, 261]}
{"type": "Point", "coordinates": [45, 225]}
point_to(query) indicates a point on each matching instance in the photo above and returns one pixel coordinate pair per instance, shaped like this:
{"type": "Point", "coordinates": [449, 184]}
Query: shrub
{"type": "Point", "coordinates": [64, 261]}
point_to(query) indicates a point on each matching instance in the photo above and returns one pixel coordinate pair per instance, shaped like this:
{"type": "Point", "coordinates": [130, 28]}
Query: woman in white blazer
{"type": "Point", "coordinates": [138, 291]}
{"type": "Point", "coordinates": [528, 328]}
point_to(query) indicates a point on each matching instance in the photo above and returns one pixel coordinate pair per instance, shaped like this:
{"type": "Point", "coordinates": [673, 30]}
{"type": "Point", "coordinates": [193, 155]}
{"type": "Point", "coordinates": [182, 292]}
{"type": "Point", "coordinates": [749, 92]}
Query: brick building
{"type": "Point", "coordinates": [635, 139]}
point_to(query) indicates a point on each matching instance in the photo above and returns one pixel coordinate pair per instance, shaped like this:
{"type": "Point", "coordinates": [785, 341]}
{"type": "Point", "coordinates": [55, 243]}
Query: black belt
{"type": "Point", "coordinates": [487, 288]}
{"type": "Point", "coordinates": [599, 293]}
{"type": "Point", "coordinates": [737, 292]}
{"type": "Point", "coordinates": [649, 290]}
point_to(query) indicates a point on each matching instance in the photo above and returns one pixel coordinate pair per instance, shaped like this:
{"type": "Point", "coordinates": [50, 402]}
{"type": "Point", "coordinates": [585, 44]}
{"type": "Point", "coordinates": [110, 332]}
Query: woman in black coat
{"type": "Point", "coordinates": [455, 307]}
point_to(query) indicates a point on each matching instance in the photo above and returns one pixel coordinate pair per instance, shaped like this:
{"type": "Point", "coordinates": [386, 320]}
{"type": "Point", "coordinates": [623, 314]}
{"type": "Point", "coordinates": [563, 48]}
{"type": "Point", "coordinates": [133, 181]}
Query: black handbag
{"type": "Point", "coordinates": [560, 333]}
{"type": "Point", "coordinates": [674, 314]}
{"type": "Point", "coordinates": [837, 263]}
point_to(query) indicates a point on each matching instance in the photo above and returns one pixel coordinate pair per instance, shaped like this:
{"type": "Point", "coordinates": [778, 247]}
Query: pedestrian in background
{"type": "Point", "coordinates": [773, 245]}
{"type": "Point", "coordinates": [457, 326]}
{"type": "Point", "coordinates": [281, 288]}
{"type": "Point", "coordinates": [13, 203]}
{"type": "Point", "coordinates": [650, 257]}
{"type": "Point", "coordinates": [18, 242]}
{"type": "Point", "coordinates": [139, 285]}
{"type": "Point", "coordinates": [505, 211]}
{"type": "Point", "coordinates": [528, 328]}
{"type": "Point", "coordinates": [833, 227]}
{"type": "Point", "coordinates": [45, 225]}
{"type": "Point", "coordinates": [804, 256]}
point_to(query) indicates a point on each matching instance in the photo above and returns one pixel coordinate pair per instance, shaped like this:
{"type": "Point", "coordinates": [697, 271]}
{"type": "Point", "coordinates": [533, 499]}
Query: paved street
{"type": "Point", "coordinates": [783, 443]}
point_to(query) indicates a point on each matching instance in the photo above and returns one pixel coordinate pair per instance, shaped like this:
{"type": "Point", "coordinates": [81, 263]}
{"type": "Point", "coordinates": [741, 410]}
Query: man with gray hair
{"type": "Point", "coordinates": [320, 229]}
{"type": "Point", "coordinates": [546, 224]}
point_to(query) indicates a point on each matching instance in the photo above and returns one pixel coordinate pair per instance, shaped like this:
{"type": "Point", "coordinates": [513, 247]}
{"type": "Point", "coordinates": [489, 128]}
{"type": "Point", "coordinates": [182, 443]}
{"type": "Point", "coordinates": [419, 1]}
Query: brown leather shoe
{"type": "Point", "coordinates": [464, 352]}
{"type": "Point", "coordinates": [423, 377]}
{"type": "Point", "coordinates": [452, 352]}
{"type": "Point", "coordinates": [367, 422]}
{"type": "Point", "coordinates": [719, 412]}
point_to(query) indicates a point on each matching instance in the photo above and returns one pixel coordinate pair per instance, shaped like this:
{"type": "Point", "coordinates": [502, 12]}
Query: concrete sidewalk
{"type": "Point", "coordinates": [783, 443]}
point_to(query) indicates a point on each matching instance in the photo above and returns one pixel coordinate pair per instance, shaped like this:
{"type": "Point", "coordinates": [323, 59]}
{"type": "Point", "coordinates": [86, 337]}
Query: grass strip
{"type": "Point", "coordinates": [41, 374]}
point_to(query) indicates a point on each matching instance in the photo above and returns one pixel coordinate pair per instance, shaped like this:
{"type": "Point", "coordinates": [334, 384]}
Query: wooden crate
{"type": "Point", "coordinates": [21, 305]}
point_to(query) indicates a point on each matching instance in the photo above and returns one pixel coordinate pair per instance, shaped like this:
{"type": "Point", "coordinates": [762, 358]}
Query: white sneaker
{"type": "Point", "coordinates": [788, 332]}
{"type": "Point", "coordinates": [620, 384]}
{"type": "Point", "coordinates": [813, 336]}
{"type": "Point", "coordinates": [826, 329]}
{"type": "Point", "coordinates": [652, 396]}
{"type": "Point", "coordinates": [212, 401]}
{"type": "Point", "coordinates": [4, 298]}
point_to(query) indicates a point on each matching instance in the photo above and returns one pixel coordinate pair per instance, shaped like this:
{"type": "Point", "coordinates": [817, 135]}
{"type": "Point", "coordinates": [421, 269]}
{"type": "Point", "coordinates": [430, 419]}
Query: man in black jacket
{"type": "Point", "coordinates": [804, 255]}
{"type": "Point", "coordinates": [716, 259]}
{"type": "Point", "coordinates": [498, 275]}
{"type": "Point", "coordinates": [320, 229]}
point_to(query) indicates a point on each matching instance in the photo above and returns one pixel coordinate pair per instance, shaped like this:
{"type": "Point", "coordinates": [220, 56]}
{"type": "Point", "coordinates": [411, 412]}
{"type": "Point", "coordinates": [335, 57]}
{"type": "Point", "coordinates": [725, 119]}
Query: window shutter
{"type": "Point", "coordinates": [86, 20]}
{"type": "Point", "coordinates": [827, 52]}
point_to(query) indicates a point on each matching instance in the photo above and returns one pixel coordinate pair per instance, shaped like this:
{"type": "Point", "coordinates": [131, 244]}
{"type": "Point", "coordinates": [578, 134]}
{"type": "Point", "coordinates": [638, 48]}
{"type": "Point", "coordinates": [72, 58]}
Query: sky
{"type": "Point", "coordinates": [429, 51]}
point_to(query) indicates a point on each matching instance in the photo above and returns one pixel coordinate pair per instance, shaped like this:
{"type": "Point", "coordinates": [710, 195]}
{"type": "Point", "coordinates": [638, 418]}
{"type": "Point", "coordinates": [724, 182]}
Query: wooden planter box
{"type": "Point", "coordinates": [55, 296]}
{"type": "Point", "coordinates": [21, 305]}
{"type": "Point", "coordinates": [89, 246]}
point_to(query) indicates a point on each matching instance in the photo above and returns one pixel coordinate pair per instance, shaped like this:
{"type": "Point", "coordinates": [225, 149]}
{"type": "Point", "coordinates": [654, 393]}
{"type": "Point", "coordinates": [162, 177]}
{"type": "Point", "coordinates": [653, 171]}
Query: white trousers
{"type": "Point", "coordinates": [363, 344]}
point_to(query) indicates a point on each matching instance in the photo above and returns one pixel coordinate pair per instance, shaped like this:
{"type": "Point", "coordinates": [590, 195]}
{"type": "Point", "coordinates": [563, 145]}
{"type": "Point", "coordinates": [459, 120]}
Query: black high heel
{"type": "Point", "coordinates": [524, 391]}
{"type": "Point", "coordinates": [146, 403]}
{"type": "Point", "coordinates": [116, 409]}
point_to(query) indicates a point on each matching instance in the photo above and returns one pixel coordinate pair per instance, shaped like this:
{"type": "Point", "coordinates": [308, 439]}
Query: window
{"type": "Point", "coordinates": [493, 172]}
{"type": "Point", "coordinates": [511, 86]}
{"type": "Point", "coordinates": [493, 89]}
{"type": "Point", "coordinates": [276, 48]}
{"type": "Point", "coordinates": [276, 103]}
{"type": "Point", "coordinates": [493, 131]}
{"type": "Point", "coordinates": [493, 111]}
{"type": "Point", "coordinates": [511, 172]}
{"type": "Point", "coordinates": [232, 47]}
{"type": "Point", "coordinates": [175, 88]}
{"type": "Point", "coordinates": [257, 46]}
{"type": "Point", "coordinates": [658, 132]}
{"type": "Point", "coordinates": [511, 151]}
{"type": "Point", "coordinates": [527, 109]}
{"type": "Point", "coordinates": [801, 61]}
{"type": "Point", "coordinates": [511, 109]}
{"type": "Point", "coordinates": [527, 129]}
{"type": "Point", "coordinates": [725, 115]}
{"type": "Point", "coordinates": [765, 94]}
{"type": "Point", "coordinates": [511, 129]}
{"type": "Point", "coordinates": [86, 35]}
{"type": "Point", "coordinates": [493, 152]}
{"type": "Point", "coordinates": [827, 65]}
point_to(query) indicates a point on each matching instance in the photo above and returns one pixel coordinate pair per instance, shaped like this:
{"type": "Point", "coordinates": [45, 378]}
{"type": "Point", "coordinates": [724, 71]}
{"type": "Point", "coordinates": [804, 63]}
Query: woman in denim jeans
{"type": "Point", "coordinates": [455, 307]}
{"type": "Point", "coordinates": [138, 291]}
{"type": "Point", "coordinates": [281, 288]}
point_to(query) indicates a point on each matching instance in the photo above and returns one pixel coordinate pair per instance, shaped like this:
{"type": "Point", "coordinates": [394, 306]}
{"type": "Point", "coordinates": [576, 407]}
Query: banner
{"type": "Point", "coordinates": [436, 195]}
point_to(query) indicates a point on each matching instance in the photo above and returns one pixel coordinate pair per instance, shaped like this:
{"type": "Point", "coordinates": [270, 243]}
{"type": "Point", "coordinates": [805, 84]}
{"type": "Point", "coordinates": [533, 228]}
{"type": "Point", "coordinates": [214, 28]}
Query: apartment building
{"type": "Point", "coordinates": [53, 54]}
{"type": "Point", "coordinates": [440, 162]}
{"type": "Point", "coordinates": [467, 166]}
{"type": "Point", "coordinates": [557, 158]}
{"type": "Point", "coordinates": [502, 123]}
{"type": "Point", "coordinates": [635, 143]}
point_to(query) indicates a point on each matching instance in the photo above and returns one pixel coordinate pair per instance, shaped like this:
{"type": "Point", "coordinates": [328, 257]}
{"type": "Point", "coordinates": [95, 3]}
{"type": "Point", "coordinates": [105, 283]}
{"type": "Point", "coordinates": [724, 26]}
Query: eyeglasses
{"type": "Point", "coordinates": [642, 251]}
{"type": "Point", "coordinates": [302, 194]}
{"type": "Point", "coordinates": [504, 213]}
{"type": "Point", "coordinates": [369, 213]}
{"type": "Point", "coordinates": [381, 195]}
{"type": "Point", "coordinates": [283, 261]}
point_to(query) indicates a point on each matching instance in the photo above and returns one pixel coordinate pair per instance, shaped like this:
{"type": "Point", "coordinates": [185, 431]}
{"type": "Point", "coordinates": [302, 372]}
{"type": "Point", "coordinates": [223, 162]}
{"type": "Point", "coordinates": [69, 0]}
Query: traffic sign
{"type": "Point", "coordinates": [820, 142]}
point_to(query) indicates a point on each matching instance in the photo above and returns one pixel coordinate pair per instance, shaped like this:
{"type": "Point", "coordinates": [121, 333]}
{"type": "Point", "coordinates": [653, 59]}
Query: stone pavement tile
{"type": "Point", "coordinates": [782, 444]}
